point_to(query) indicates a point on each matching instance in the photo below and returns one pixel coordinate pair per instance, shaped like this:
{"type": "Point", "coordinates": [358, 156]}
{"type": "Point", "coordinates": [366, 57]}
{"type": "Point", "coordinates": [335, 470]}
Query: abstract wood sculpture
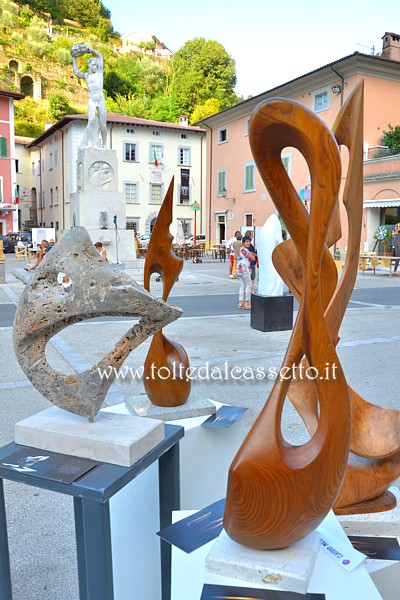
{"type": "Point", "coordinates": [97, 290]}
{"type": "Point", "coordinates": [276, 493]}
{"type": "Point", "coordinates": [164, 355]}
{"type": "Point", "coordinates": [374, 460]}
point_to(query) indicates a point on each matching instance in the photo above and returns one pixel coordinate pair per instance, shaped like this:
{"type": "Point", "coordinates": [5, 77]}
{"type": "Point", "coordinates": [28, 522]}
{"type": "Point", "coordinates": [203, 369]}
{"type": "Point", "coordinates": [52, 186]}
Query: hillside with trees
{"type": "Point", "coordinates": [35, 59]}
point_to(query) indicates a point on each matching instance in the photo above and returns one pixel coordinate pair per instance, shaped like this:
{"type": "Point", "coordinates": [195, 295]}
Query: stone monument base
{"type": "Point", "coordinates": [111, 438]}
{"type": "Point", "coordinates": [271, 313]}
{"type": "Point", "coordinates": [288, 568]}
{"type": "Point", "coordinates": [194, 407]}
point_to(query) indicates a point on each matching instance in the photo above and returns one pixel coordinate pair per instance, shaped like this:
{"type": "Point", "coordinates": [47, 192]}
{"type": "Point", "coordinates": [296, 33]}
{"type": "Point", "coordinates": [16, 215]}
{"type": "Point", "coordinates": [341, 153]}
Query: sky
{"type": "Point", "coordinates": [272, 42]}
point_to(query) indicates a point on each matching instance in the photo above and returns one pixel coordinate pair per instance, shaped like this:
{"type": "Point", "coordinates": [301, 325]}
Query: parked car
{"type": "Point", "coordinates": [200, 239]}
{"type": "Point", "coordinates": [10, 240]}
{"type": "Point", "coordinates": [144, 239]}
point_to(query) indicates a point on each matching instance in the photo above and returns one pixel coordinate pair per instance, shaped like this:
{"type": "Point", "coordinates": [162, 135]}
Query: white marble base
{"type": "Point", "coordinates": [288, 568]}
{"type": "Point", "coordinates": [194, 407]}
{"type": "Point", "coordinates": [111, 438]}
{"type": "Point", "coordinates": [382, 524]}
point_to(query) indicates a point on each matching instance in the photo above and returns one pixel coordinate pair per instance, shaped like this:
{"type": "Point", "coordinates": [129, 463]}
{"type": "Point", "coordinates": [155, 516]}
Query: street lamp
{"type": "Point", "coordinates": [224, 195]}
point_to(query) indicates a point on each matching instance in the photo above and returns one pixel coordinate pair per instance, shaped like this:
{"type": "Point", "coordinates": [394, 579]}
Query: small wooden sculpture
{"type": "Point", "coordinates": [165, 355]}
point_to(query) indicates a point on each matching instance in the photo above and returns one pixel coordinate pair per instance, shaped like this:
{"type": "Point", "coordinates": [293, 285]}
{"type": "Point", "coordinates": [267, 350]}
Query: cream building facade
{"type": "Point", "coordinates": [149, 155]}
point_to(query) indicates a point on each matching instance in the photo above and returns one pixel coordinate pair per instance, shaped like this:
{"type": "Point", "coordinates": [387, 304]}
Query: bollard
{"type": "Point", "coordinates": [2, 264]}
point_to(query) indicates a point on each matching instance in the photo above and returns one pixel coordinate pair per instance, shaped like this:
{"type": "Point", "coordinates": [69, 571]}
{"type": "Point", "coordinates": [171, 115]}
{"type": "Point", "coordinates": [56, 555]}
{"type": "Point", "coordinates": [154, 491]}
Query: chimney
{"type": "Point", "coordinates": [391, 46]}
{"type": "Point", "coordinates": [183, 120]}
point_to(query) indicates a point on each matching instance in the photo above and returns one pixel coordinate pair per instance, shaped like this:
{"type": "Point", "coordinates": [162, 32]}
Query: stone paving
{"type": "Point", "coordinates": [41, 527]}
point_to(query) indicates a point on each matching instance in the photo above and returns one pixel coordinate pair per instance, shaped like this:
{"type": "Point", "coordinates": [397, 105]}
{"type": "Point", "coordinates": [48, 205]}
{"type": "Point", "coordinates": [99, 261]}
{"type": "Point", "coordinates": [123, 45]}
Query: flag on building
{"type": "Point", "coordinates": [16, 196]}
{"type": "Point", "coordinates": [155, 158]}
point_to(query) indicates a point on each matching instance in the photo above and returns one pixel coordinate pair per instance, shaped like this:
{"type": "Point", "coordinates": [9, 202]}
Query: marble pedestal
{"type": "Point", "coordinates": [111, 438]}
{"type": "Point", "coordinates": [287, 568]}
{"type": "Point", "coordinates": [271, 313]}
{"type": "Point", "coordinates": [385, 523]}
{"type": "Point", "coordinates": [384, 573]}
{"type": "Point", "coordinates": [194, 406]}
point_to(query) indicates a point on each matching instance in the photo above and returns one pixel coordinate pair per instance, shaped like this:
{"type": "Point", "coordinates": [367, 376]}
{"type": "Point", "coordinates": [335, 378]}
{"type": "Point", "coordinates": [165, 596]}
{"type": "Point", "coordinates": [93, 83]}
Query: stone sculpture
{"type": "Point", "coordinates": [96, 130]}
{"type": "Point", "coordinates": [269, 283]}
{"type": "Point", "coordinates": [163, 352]}
{"type": "Point", "coordinates": [93, 289]}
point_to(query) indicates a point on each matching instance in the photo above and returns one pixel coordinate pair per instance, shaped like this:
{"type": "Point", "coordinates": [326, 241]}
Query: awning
{"type": "Point", "coordinates": [381, 203]}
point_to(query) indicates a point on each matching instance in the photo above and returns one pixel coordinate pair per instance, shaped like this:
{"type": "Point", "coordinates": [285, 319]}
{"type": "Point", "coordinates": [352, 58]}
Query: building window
{"type": "Point", "coordinates": [221, 181]}
{"type": "Point", "coordinates": [51, 161]}
{"type": "Point", "coordinates": [222, 135]}
{"type": "Point", "coordinates": [130, 130]}
{"type": "Point", "coordinates": [131, 153]}
{"type": "Point", "coordinates": [156, 153]}
{"type": "Point", "coordinates": [17, 165]}
{"type": "Point", "coordinates": [33, 169]}
{"type": "Point", "coordinates": [56, 196]}
{"type": "Point", "coordinates": [184, 156]}
{"type": "Point", "coordinates": [249, 177]}
{"type": "Point", "coordinates": [55, 158]}
{"type": "Point", "coordinates": [156, 193]}
{"type": "Point", "coordinates": [51, 197]}
{"type": "Point", "coordinates": [131, 190]}
{"type": "Point", "coordinates": [186, 226]}
{"type": "Point", "coordinates": [246, 131]}
{"type": "Point", "coordinates": [321, 100]}
{"type": "Point", "coordinates": [132, 223]}
{"type": "Point", "coordinates": [156, 133]}
{"type": "Point", "coordinates": [43, 200]}
{"type": "Point", "coordinates": [57, 226]}
{"type": "Point", "coordinates": [248, 220]}
{"type": "Point", "coordinates": [183, 136]}
{"type": "Point", "coordinates": [287, 162]}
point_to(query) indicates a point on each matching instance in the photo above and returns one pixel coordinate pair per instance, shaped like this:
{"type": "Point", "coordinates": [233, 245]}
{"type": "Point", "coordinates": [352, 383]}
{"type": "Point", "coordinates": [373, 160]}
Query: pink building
{"type": "Point", "coordinates": [236, 195]}
{"type": "Point", "coordinates": [8, 167]}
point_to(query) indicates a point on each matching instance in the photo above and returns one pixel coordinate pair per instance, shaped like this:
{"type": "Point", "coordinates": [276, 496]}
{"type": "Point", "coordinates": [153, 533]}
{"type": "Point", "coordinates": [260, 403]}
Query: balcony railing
{"type": "Point", "coordinates": [379, 152]}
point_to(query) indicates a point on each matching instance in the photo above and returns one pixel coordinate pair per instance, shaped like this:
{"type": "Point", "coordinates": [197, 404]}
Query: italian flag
{"type": "Point", "coordinates": [16, 196]}
{"type": "Point", "coordinates": [155, 158]}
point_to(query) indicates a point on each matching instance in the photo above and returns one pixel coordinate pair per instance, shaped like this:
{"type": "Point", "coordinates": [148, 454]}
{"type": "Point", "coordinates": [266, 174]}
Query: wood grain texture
{"type": "Point", "coordinates": [374, 461]}
{"type": "Point", "coordinates": [278, 493]}
{"type": "Point", "coordinates": [165, 355]}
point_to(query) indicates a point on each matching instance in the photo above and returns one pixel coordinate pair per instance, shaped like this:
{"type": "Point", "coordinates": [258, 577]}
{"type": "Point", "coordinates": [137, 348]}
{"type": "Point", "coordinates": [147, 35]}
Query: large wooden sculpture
{"type": "Point", "coordinates": [164, 355]}
{"type": "Point", "coordinates": [278, 493]}
{"type": "Point", "coordinates": [259, 510]}
{"type": "Point", "coordinates": [374, 460]}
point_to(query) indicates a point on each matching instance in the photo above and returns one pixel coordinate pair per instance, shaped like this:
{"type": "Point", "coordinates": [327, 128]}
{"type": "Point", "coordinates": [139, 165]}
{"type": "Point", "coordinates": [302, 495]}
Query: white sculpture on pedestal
{"type": "Point", "coordinates": [269, 284]}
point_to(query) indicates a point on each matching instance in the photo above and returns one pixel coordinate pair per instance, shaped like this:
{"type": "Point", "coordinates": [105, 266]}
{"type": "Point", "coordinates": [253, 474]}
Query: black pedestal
{"type": "Point", "coordinates": [271, 313]}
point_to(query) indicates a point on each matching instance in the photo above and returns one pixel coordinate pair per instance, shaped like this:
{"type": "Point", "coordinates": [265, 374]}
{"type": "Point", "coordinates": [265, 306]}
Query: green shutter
{"type": "Point", "coordinates": [3, 147]}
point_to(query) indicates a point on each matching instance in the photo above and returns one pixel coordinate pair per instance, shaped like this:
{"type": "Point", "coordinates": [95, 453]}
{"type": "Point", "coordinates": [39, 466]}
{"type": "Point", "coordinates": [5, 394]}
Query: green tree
{"type": "Point", "coordinates": [202, 70]}
{"type": "Point", "coordinates": [391, 138]}
{"type": "Point", "coordinates": [202, 111]}
{"type": "Point", "coordinates": [58, 106]}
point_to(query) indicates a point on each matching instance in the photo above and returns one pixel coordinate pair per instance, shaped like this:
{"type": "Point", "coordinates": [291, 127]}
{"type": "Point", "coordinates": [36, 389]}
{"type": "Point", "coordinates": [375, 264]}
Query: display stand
{"type": "Point", "coordinates": [92, 494]}
{"type": "Point", "coordinates": [189, 573]}
{"type": "Point", "coordinates": [271, 313]}
{"type": "Point", "coordinates": [205, 457]}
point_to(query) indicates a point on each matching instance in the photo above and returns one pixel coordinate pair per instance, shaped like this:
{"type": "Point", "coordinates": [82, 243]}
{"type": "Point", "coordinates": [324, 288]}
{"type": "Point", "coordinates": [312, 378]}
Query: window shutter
{"type": "Point", "coordinates": [3, 147]}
